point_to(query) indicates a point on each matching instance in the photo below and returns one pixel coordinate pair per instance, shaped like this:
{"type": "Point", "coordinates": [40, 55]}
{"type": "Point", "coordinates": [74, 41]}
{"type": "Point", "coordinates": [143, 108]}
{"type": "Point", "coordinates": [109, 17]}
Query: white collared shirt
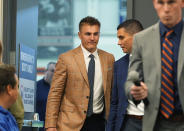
{"type": "Point", "coordinates": [132, 109]}
{"type": "Point", "coordinates": [98, 96]}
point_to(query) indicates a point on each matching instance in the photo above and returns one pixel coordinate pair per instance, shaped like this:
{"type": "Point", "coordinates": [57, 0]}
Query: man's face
{"type": "Point", "coordinates": [169, 11]}
{"type": "Point", "coordinates": [125, 40]}
{"type": "Point", "coordinates": [89, 36]}
{"type": "Point", "coordinates": [49, 73]}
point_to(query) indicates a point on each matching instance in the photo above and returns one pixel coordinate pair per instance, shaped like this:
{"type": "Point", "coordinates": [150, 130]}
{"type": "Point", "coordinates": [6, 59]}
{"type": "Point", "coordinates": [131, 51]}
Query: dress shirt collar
{"type": "Point", "coordinates": [177, 28]}
{"type": "Point", "coordinates": [130, 56]}
{"type": "Point", "coordinates": [87, 53]}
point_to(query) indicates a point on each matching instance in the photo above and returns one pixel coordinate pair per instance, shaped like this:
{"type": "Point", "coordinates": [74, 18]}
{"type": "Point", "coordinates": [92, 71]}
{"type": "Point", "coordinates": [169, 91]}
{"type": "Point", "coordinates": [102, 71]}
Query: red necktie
{"type": "Point", "coordinates": [167, 84]}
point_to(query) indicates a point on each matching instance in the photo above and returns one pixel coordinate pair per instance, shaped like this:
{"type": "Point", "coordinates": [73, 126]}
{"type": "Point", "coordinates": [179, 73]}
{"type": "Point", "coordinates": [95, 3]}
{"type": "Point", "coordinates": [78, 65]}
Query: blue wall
{"type": "Point", "coordinates": [26, 25]}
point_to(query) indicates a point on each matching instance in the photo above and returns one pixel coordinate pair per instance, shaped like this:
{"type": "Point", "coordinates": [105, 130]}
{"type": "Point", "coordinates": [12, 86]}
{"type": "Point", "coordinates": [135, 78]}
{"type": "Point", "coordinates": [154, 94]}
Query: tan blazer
{"type": "Point", "coordinates": [67, 100]}
{"type": "Point", "coordinates": [146, 59]}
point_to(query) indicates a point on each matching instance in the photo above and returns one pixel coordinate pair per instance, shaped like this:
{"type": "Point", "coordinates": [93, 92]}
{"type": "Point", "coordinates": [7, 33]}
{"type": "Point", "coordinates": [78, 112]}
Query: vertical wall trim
{"type": "Point", "coordinates": [130, 9]}
{"type": "Point", "coordinates": [9, 31]}
{"type": "Point", "coordinates": [6, 30]}
{"type": "Point", "coordinates": [1, 20]}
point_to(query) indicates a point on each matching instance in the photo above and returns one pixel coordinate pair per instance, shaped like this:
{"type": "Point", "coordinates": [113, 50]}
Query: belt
{"type": "Point", "coordinates": [174, 118]}
{"type": "Point", "coordinates": [96, 115]}
{"type": "Point", "coordinates": [134, 116]}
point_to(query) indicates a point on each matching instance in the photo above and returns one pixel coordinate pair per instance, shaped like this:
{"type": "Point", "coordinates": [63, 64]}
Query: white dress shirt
{"type": "Point", "coordinates": [98, 96]}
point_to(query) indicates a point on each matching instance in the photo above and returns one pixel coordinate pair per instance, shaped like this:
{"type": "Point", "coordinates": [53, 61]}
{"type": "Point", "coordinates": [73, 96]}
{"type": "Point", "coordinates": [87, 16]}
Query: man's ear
{"type": "Point", "coordinates": [182, 4]}
{"type": "Point", "coordinates": [9, 89]}
{"type": "Point", "coordinates": [79, 34]}
{"type": "Point", "coordinates": [153, 3]}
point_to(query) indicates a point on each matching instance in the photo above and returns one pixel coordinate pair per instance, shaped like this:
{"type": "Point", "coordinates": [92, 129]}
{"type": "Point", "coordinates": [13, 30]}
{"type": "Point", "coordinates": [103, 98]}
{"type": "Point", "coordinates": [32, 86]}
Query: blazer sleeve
{"type": "Point", "coordinates": [136, 64]}
{"type": "Point", "coordinates": [56, 93]}
{"type": "Point", "coordinates": [113, 105]}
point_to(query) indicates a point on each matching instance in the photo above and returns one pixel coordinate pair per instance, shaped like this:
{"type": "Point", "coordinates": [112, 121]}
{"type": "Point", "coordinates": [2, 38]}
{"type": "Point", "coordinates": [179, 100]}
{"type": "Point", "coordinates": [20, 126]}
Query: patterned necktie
{"type": "Point", "coordinates": [91, 74]}
{"type": "Point", "coordinates": [167, 84]}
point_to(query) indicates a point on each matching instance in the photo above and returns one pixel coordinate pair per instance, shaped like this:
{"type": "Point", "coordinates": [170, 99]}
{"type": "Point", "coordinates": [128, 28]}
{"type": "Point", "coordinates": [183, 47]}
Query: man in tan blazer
{"type": "Point", "coordinates": [158, 59]}
{"type": "Point", "coordinates": [72, 104]}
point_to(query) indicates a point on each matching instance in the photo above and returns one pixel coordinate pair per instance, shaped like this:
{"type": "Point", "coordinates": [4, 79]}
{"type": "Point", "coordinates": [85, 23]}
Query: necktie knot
{"type": "Point", "coordinates": [91, 56]}
{"type": "Point", "coordinates": [168, 33]}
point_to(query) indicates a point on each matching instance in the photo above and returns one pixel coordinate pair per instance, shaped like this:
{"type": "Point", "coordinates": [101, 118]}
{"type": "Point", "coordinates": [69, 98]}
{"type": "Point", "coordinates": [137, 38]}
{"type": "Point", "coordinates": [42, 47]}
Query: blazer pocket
{"type": "Point", "coordinates": [67, 108]}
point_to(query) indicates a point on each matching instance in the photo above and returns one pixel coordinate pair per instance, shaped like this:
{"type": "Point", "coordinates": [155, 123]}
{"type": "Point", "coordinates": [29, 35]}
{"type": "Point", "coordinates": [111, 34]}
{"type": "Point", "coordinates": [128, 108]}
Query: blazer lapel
{"type": "Point", "coordinates": [156, 47]}
{"type": "Point", "coordinates": [103, 68]}
{"type": "Point", "coordinates": [79, 58]}
{"type": "Point", "coordinates": [181, 56]}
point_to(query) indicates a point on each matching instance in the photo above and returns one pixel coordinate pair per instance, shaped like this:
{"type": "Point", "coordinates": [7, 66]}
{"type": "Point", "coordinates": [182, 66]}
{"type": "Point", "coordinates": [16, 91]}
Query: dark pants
{"type": "Point", "coordinates": [131, 124]}
{"type": "Point", "coordinates": [171, 124]}
{"type": "Point", "coordinates": [95, 122]}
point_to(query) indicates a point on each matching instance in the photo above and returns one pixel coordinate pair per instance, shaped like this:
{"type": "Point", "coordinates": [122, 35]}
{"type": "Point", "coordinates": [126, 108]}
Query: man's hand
{"type": "Point", "coordinates": [51, 129]}
{"type": "Point", "coordinates": [139, 92]}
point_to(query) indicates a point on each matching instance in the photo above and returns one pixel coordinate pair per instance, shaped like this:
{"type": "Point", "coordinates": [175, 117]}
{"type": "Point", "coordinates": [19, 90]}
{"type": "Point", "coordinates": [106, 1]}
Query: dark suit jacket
{"type": "Point", "coordinates": [119, 100]}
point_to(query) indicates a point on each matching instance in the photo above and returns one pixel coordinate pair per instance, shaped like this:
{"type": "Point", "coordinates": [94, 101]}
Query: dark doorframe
{"type": "Point", "coordinates": [9, 31]}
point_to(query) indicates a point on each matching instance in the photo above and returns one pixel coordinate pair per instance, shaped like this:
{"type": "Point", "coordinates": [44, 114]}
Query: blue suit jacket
{"type": "Point", "coordinates": [119, 101]}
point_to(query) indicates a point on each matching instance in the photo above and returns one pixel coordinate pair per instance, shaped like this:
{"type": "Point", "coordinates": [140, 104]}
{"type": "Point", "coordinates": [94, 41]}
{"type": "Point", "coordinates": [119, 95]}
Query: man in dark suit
{"type": "Point", "coordinates": [43, 87]}
{"type": "Point", "coordinates": [119, 102]}
{"type": "Point", "coordinates": [79, 98]}
{"type": "Point", "coordinates": [158, 59]}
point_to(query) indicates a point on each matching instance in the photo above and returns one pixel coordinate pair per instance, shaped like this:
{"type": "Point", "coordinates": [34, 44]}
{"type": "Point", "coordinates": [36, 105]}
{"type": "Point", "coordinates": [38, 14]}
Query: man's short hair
{"type": "Point", "coordinates": [50, 63]}
{"type": "Point", "coordinates": [89, 20]}
{"type": "Point", "coordinates": [7, 77]}
{"type": "Point", "coordinates": [131, 26]}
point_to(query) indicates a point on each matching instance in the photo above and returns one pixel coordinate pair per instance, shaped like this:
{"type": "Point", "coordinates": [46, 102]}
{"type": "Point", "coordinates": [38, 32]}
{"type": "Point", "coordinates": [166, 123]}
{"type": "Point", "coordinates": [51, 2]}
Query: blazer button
{"type": "Point", "coordinates": [87, 97]}
{"type": "Point", "coordinates": [85, 112]}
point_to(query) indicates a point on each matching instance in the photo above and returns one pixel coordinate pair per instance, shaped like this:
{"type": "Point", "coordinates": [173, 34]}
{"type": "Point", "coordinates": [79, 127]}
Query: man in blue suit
{"type": "Point", "coordinates": [121, 108]}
